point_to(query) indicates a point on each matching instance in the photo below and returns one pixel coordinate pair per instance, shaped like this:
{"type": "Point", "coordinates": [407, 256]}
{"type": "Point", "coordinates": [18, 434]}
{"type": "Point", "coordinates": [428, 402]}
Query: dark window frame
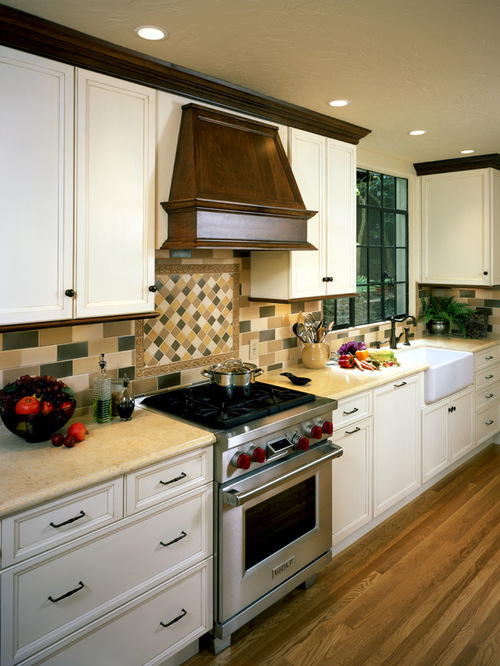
{"type": "Point", "coordinates": [382, 253]}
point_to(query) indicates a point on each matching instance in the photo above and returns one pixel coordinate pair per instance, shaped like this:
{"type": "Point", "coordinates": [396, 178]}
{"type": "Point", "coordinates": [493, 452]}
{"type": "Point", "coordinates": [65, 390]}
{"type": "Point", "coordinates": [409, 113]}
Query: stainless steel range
{"type": "Point", "coordinates": [273, 494]}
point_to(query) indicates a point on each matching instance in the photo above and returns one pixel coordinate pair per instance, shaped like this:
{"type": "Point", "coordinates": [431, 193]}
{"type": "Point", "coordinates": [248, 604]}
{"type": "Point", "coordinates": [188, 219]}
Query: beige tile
{"type": "Point", "coordinates": [10, 359]}
{"type": "Point", "coordinates": [87, 332]}
{"type": "Point", "coordinates": [146, 385]}
{"type": "Point", "coordinates": [248, 313]}
{"type": "Point", "coordinates": [274, 322]}
{"type": "Point", "coordinates": [15, 373]}
{"type": "Point", "coordinates": [117, 328]}
{"type": "Point", "coordinates": [274, 346]}
{"type": "Point", "coordinates": [103, 346]}
{"type": "Point", "coordinates": [55, 336]}
{"type": "Point", "coordinates": [39, 355]}
{"type": "Point", "coordinates": [77, 383]}
{"type": "Point", "coordinates": [266, 359]}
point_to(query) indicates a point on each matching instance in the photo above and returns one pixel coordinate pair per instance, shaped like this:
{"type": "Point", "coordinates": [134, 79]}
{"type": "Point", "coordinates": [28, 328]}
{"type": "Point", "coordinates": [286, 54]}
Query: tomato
{"type": "Point", "coordinates": [27, 405]}
{"type": "Point", "coordinates": [362, 354]}
{"type": "Point", "coordinates": [46, 407]}
{"type": "Point", "coordinates": [78, 431]}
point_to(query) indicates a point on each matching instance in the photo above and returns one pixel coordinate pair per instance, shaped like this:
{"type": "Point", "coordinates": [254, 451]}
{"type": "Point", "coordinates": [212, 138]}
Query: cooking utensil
{"type": "Point", "coordinates": [233, 376]}
{"type": "Point", "coordinates": [300, 318]}
{"type": "Point", "coordinates": [299, 381]}
{"type": "Point", "coordinates": [301, 332]}
{"type": "Point", "coordinates": [320, 333]}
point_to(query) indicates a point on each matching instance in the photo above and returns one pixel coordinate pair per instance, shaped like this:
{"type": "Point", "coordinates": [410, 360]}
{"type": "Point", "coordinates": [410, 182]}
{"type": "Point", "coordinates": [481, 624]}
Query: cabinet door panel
{"type": "Point", "coordinates": [115, 205]}
{"type": "Point", "coordinates": [461, 425]}
{"type": "Point", "coordinates": [36, 187]}
{"type": "Point", "coordinates": [435, 439]}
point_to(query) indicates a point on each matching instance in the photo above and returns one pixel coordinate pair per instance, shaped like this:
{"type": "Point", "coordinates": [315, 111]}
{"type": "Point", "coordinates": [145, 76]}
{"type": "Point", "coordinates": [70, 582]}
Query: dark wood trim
{"type": "Point", "coordinates": [299, 300]}
{"type": "Point", "coordinates": [29, 33]}
{"type": "Point", "coordinates": [458, 164]}
{"type": "Point", "coordinates": [11, 328]}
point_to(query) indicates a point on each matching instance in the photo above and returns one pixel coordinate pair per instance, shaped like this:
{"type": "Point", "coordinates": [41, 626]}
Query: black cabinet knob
{"type": "Point", "coordinates": [327, 279]}
{"type": "Point", "coordinates": [152, 288]}
{"type": "Point", "coordinates": [70, 293]}
{"type": "Point", "coordinates": [485, 273]}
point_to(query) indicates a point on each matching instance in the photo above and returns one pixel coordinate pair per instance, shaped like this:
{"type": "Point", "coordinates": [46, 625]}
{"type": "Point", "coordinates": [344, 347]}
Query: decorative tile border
{"type": "Point", "coordinates": [198, 323]}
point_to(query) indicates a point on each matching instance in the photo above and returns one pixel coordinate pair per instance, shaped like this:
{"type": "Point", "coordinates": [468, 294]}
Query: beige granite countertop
{"type": "Point", "coordinates": [334, 382]}
{"type": "Point", "coordinates": [31, 474]}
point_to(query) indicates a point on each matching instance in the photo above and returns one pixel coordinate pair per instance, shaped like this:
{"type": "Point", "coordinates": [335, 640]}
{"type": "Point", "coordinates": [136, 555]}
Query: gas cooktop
{"type": "Point", "coordinates": [206, 404]}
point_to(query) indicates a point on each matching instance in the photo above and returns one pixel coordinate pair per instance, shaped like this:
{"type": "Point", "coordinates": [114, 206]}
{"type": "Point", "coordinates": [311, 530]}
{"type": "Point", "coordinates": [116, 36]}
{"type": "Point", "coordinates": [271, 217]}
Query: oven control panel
{"type": "Point", "coordinates": [290, 441]}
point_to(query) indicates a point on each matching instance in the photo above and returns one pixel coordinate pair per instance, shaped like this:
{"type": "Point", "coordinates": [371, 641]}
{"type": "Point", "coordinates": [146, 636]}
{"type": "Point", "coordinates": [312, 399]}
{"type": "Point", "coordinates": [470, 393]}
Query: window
{"type": "Point", "coordinates": [381, 253]}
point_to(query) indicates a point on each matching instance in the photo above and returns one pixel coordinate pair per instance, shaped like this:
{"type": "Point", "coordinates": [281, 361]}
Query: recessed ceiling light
{"type": "Point", "coordinates": [339, 102]}
{"type": "Point", "coordinates": [417, 132]}
{"type": "Point", "coordinates": [151, 32]}
{"type": "Point", "coordinates": [466, 152]}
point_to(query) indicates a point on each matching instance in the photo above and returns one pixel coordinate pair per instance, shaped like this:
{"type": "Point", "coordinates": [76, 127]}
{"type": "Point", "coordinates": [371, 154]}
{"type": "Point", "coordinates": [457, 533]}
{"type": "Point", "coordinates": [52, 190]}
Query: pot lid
{"type": "Point", "coordinates": [233, 367]}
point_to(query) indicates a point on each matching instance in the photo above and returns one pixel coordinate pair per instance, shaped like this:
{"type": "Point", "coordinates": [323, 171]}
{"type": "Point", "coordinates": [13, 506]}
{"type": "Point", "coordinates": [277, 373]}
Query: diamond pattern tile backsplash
{"type": "Point", "coordinates": [198, 322]}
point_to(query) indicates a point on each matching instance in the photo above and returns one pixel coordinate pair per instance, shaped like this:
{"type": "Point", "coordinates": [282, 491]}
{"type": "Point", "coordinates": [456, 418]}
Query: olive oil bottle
{"type": "Point", "coordinates": [102, 395]}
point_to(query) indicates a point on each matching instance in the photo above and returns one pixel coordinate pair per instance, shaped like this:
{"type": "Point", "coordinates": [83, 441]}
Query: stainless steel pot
{"type": "Point", "coordinates": [233, 376]}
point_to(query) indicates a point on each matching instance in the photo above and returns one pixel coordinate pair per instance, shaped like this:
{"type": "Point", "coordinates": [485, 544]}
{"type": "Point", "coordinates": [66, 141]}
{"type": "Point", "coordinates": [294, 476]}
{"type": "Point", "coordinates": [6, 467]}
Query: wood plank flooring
{"type": "Point", "coordinates": [422, 589]}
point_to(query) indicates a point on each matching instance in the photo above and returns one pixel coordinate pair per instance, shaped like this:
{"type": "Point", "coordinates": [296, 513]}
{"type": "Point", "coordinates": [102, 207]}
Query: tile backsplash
{"type": "Point", "coordinates": [71, 353]}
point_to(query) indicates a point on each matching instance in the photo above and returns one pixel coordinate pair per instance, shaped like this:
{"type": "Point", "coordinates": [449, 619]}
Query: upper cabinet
{"type": "Point", "coordinates": [77, 190]}
{"type": "Point", "coordinates": [461, 227]}
{"type": "Point", "coordinates": [325, 171]}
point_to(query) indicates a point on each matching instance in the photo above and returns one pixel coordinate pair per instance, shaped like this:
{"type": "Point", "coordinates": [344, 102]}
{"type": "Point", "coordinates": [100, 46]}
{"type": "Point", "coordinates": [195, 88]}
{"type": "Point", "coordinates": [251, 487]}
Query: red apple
{"type": "Point", "coordinates": [27, 405]}
{"type": "Point", "coordinates": [78, 430]}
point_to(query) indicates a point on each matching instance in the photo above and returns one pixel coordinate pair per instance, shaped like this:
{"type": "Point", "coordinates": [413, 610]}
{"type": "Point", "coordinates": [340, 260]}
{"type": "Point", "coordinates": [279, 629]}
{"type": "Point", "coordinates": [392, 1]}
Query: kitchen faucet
{"type": "Point", "coordinates": [393, 319]}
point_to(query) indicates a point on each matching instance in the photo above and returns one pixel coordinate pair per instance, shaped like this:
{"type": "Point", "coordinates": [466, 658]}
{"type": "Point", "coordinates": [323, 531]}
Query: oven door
{"type": "Point", "coordinates": [271, 525]}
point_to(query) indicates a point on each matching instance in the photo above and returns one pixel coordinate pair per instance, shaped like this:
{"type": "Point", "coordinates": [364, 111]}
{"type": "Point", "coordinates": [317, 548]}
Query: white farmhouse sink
{"type": "Point", "coordinates": [450, 370]}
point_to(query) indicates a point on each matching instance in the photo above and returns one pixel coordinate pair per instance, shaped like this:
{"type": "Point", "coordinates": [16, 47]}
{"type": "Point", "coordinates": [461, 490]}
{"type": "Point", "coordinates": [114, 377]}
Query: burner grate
{"type": "Point", "coordinates": [206, 405]}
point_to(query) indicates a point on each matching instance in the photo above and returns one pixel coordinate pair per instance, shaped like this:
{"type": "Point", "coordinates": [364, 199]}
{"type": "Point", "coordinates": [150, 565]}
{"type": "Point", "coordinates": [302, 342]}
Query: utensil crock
{"type": "Point", "coordinates": [315, 354]}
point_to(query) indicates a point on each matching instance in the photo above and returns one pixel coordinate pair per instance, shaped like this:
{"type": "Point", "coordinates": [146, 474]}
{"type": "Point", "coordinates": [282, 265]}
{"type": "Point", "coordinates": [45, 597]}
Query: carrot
{"type": "Point", "coordinates": [358, 364]}
{"type": "Point", "coordinates": [367, 366]}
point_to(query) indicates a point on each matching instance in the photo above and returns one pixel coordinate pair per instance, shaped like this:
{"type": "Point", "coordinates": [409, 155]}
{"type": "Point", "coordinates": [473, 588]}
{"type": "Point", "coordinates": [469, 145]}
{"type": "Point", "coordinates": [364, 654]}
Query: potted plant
{"type": "Point", "coordinates": [443, 314]}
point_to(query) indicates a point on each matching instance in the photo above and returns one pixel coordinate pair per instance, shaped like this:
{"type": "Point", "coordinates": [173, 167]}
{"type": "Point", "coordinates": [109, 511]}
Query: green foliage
{"type": "Point", "coordinates": [448, 310]}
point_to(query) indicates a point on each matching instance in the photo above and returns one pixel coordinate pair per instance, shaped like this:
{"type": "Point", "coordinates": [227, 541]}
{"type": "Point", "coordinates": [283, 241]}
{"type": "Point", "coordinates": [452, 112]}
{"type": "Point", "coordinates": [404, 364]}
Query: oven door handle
{"type": "Point", "coordinates": [234, 498]}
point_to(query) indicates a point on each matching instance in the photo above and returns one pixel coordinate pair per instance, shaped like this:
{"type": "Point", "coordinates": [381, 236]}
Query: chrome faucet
{"type": "Point", "coordinates": [393, 344]}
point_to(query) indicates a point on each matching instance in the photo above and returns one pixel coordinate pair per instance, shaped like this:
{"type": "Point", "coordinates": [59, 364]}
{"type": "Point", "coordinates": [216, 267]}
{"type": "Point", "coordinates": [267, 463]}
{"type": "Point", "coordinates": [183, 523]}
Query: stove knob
{"type": "Point", "coordinates": [302, 443]}
{"type": "Point", "coordinates": [327, 427]}
{"type": "Point", "coordinates": [241, 460]}
{"type": "Point", "coordinates": [315, 432]}
{"type": "Point", "coordinates": [258, 454]}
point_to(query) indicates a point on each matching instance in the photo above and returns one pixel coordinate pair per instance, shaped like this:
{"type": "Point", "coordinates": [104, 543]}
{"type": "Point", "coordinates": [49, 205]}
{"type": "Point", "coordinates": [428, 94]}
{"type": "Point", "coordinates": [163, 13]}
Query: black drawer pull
{"type": "Point", "coordinates": [400, 385]}
{"type": "Point", "coordinates": [177, 478]}
{"type": "Point", "coordinates": [353, 411]}
{"type": "Point", "coordinates": [182, 536]}
{"type": "Point", "coordinates": [351, 432]}
{"type": "Point", "coordinates": [71, 520]}
{"type": "Point", "coordinates": [79, 587]}
{"type": "Point", "coordinates": [489, 376]}
{"type": "Point", "coordinates": [490, 395]}
{"type": "Point", "coordinates": [176, 619]}
{"type": "Point", "coordinates": [488, 423]}
{"type": "Point", "coordinates": [488, 358]}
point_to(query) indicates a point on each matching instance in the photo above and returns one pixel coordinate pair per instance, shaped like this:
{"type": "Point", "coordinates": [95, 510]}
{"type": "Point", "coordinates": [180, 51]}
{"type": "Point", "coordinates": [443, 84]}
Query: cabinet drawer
{"type": "Point", "coordinates": [487, 423]}
{"type": "Point", "coordinates": [487, 374]}
{"type": "Point", "coordinates": [352, 409]}
{"type": "Point", "coordinates": [36, 530]}
{"type": "Point", "coordinates": [51, 597]}
{"type": "Point", "coordinates": [167, 479]}
{"type": "Point", "coordinates": [486, 357]}
{"type": "Point", "coordinates": [488, 395]}
{"type": "Point", "coordinates": [135, 634]}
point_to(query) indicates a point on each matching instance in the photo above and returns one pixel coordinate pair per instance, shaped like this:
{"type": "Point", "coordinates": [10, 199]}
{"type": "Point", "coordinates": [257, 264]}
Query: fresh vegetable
{"type": "Point", "coordinates": [346, 361]}
{"type": "Point", "coordinates": [381, 355]}
{"type": "Point", "coordinates": [351, 347]}
{"type": "Point", "coordinates": [27, 405]}
{"type": "Point", "coordinates": [358, 364]}
{"type": "Point", "coordinates": [367, 366]}
{"type": "Point", "coordinates": [40, 389]}
{"type": "Point", "coordinates": [362, 354]}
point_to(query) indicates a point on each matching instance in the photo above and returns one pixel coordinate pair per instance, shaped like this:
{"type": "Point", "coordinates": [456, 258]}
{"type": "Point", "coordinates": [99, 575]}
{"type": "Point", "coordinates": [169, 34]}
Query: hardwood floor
{"type": "Point", "coordinates": [422, 589]}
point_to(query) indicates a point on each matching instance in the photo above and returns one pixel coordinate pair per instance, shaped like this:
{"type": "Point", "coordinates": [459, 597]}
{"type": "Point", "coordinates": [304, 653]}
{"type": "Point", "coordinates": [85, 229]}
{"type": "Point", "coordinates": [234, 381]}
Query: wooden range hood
{"type": "Point", "coordinates": [233, 187]}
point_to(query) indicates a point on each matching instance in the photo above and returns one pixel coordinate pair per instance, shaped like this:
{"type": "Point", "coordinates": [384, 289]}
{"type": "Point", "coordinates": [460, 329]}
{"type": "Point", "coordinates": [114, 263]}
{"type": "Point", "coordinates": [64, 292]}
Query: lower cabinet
{"type": "Point", "coordinates": [352, 479]}
{"type": "Point", "coordinates": [447, 432]}
{"type": "Point", "coordinates": [135, 591]}
{"type": "Point", "coordinates": [396, 451]}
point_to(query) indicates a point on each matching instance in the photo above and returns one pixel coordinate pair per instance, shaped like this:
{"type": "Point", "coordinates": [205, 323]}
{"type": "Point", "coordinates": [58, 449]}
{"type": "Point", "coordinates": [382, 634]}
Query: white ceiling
{"type": "Point", "coordinates": [403, 64]}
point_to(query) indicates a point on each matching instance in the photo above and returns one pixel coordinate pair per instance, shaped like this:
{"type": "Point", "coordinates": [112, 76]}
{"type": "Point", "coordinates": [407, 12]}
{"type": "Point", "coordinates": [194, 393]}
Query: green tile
{"type": "Point", "coordinates": [20, 340]}
{"type": "Point", "coordinates": [72, 350]}
{"type": "Point", "coordinates": [126, 342]}
{"type": "Point", "coordinates": [63, 369]}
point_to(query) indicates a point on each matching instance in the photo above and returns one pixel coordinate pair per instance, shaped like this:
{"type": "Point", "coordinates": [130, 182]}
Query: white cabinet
{"type": "Point", "coordinates": [461, 227]}
{"type": "Point", "coordinates": [36, 187]}
{"type": "Point", "coordinates": [447, 432]}
{"type": "Point", "coordinates": [352, 472]}
{"type": "Point", "coordinates": [325, 170]}
{"type": "Point", "coordinates": [396, 451]}
{"type": "Point", "coordinates": [487, 393]}
{"type": "Point", "coordinates": [113, 580]}
{"type": "Point", "coordinates": [92, 233]}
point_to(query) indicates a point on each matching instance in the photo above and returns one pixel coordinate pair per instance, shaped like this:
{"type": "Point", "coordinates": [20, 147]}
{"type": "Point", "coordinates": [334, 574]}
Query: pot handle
{"type": "Point", "coordinates": [206, 373]}
{"type": "Point", "coordinates": [257, 373]}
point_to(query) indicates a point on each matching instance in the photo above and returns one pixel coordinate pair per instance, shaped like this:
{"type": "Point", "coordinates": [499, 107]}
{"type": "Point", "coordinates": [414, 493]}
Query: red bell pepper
{"type": "Point", "coordinates": [346, 361]}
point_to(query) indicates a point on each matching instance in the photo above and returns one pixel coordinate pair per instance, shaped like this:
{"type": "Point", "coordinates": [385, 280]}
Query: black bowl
{"type": "Point", "coordinates": [37, 427]}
